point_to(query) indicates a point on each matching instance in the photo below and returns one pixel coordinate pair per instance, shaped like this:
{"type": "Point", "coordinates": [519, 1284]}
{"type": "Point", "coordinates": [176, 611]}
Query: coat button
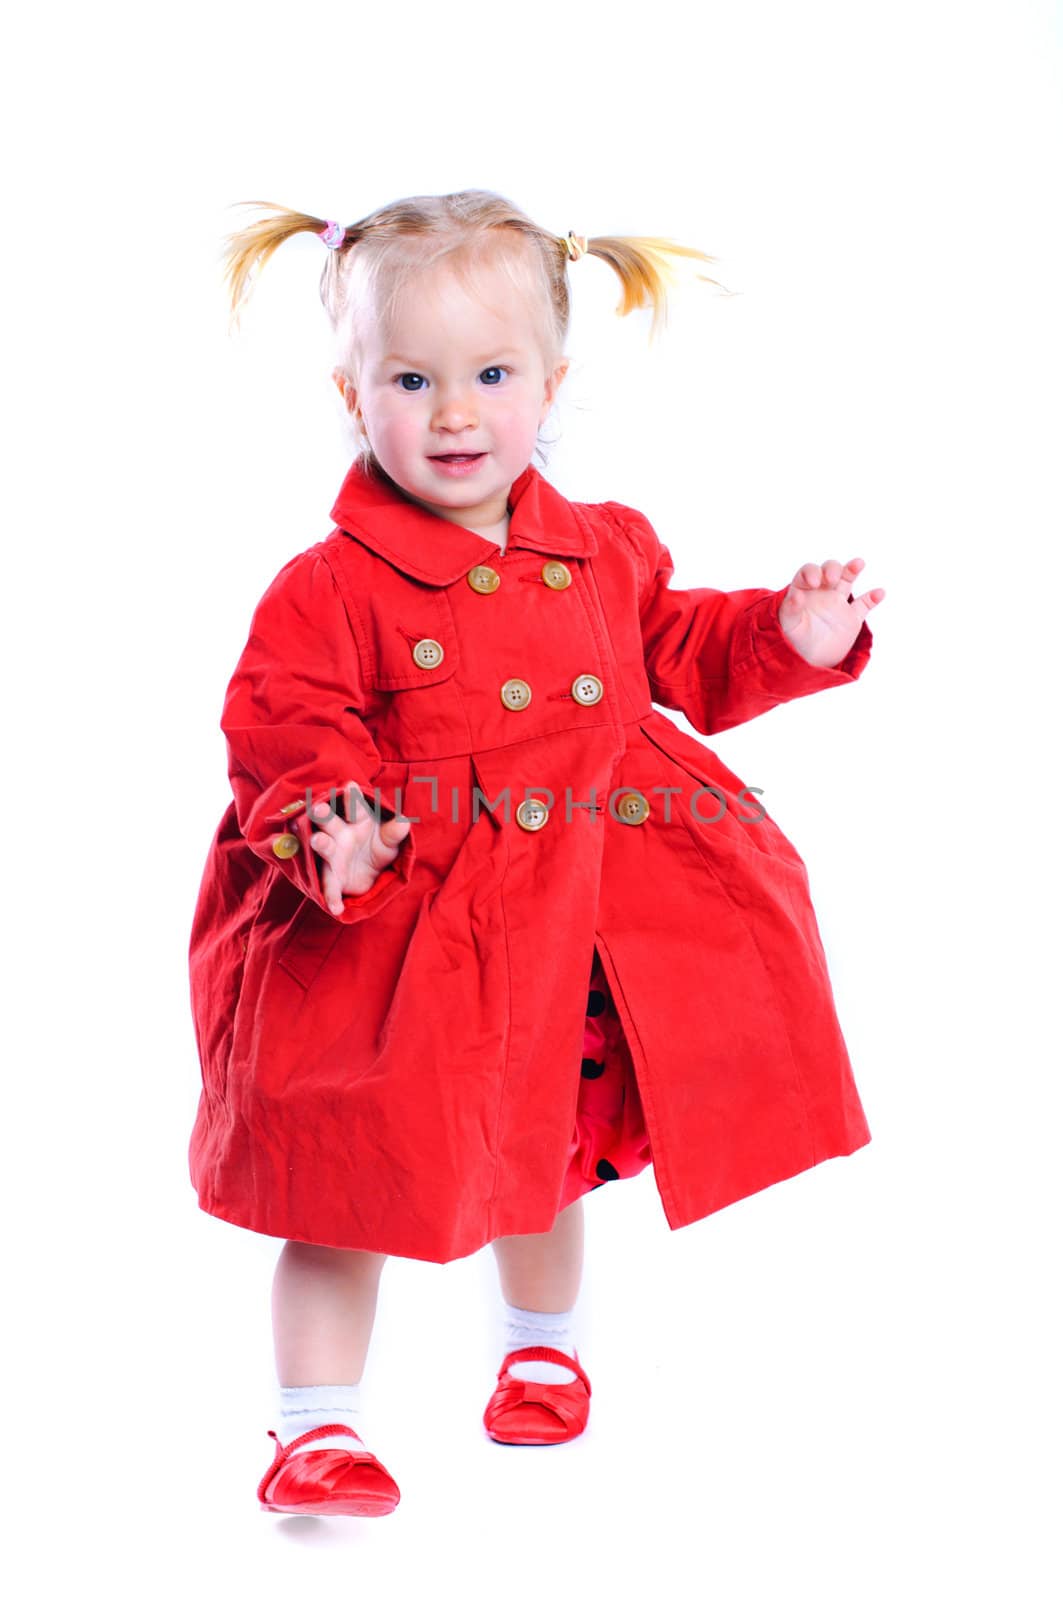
{"type": "Point", "coordinates": [556, 575]}
{"type": "Point", "coordinates": [484, 580]}
{"type": "Point", "coordinates": [293, 805]}
{"type": "Point", "coordinates": [515, 694]}
{"type": "Point", "coordinates": [633, 807]}
{"type": "Point", "coordinates": [532, 815]}
{"type": "Point", "coordinates": [285, 845]}
{"type": "Point", "coordinates": [427, 653]}
{"type": "Point", "coordinates": [587, 689]}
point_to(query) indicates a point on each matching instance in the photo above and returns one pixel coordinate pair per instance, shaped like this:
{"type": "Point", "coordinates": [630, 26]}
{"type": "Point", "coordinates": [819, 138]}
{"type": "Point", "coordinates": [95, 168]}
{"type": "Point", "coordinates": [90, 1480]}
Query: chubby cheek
{"type": "Point", "coordinates": [396, 434]}
{"type": "Point", "coordinates": [516, 435]}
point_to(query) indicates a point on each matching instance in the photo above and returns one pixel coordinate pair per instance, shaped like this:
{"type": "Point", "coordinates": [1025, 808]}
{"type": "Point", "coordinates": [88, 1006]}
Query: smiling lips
{"type": "Point", "coordinates": [457, 465]}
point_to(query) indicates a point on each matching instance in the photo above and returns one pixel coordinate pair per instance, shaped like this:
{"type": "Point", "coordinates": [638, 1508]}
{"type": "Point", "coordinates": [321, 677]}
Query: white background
{"type": "Point", "coordinates": [842, 1385]}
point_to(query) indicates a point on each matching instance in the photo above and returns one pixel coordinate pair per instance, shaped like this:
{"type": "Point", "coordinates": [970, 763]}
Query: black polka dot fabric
{"type": "Point", "coordinates": [609, 1140]}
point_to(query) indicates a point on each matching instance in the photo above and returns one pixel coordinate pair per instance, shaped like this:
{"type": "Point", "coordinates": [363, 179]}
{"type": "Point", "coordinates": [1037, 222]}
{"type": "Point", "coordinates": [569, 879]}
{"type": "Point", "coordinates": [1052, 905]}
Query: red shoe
{"type": "Point", "coordinates": [328, 1482]}
{"type": "Point", "coordinates": [520, 1412]}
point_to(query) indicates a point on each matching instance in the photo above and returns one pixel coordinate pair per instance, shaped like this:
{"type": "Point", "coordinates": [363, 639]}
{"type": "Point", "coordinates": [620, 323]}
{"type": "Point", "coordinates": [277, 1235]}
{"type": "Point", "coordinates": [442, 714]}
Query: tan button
{"type": "Point", "coordinates": [532, 815]}
{"type": "Point", "coordinates": [515, 694]}
{"type": "Point", "coordinates": [293, 805]}
{"type": "Point", "coordinates": [484, 580]}
{"type": "Point", "coordinates": [556, 575]}
{"type": "Point", "coordinates": [587, 689]}
{"type": "Point", "coordinates": [632, 807]}
{"type": "Point", "coordinates": [285, 845]}
{"type": "Point", "coordinates": [427, 653]}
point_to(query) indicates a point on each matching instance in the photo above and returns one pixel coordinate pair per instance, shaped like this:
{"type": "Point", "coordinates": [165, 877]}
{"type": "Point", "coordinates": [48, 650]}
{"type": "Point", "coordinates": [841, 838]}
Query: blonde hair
{"type": "Point", "coordinates": [367, 272]}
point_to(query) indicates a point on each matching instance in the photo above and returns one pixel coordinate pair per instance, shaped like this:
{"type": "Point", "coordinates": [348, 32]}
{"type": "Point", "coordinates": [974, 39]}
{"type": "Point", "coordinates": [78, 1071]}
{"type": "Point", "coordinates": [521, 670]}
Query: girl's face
{"type": "Point", "coordinates": [453, 395]}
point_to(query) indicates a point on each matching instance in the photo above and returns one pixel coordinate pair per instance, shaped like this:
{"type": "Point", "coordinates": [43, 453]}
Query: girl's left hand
{"type": "Point", "coordinates": [820, 616]}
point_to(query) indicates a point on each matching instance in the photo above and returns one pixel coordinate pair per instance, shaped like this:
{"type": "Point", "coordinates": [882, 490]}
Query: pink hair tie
{"type": "Point", "coordinates": [333, 234]}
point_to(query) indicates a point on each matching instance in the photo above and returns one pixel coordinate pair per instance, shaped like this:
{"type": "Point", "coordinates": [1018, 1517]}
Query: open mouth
{"type": "Point", "coordinates": [455, 463]}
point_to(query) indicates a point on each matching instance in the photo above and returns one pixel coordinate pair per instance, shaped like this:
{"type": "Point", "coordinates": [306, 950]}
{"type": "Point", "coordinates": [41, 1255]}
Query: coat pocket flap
{"type": "Point", "coordinates": [415, 647]}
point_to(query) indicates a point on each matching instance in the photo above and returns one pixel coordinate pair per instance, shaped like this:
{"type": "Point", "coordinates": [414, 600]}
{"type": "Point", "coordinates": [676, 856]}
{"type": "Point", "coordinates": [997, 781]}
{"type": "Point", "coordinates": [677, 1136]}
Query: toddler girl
{"type": "Point", "coordinates": [482, 930]}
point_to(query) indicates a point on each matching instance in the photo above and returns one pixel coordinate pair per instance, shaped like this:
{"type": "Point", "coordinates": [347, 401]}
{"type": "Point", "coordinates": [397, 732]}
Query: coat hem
{"type": "Point", "coordinates": [783, 1174]}
{"type": "Point", "coordinates": [677, 1217]}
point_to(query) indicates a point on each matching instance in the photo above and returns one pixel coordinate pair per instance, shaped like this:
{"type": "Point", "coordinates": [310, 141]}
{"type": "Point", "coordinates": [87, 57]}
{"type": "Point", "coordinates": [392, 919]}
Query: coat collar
{"type": "Point", "coordinates": [374, 511]}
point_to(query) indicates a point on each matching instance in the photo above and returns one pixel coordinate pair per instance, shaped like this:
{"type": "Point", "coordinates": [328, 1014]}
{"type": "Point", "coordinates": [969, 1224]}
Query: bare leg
{"type": "Point", "coordinates": [324, 1304]}
{"type": "Point", "coordinates": [542, 1271]}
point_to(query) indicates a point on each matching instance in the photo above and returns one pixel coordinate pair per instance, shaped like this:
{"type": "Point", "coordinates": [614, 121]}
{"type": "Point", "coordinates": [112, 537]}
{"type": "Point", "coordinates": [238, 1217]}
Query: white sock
{"type": "Point", "coordinates": [553, 1328]}
{"type": "Point", "coordinates": [311, 1406]}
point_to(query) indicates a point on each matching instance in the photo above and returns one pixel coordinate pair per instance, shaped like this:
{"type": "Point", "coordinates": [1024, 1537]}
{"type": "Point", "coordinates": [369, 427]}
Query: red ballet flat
{"type": "Point", "coordinates": [327, 1482]}
{"type": "Point", "coordinates": [521, 1412]}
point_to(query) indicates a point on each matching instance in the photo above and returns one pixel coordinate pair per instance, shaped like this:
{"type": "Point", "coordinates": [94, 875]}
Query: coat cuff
{"type": "Point", "coordinates": [763, 647]}
{"type": "Point", "coordinates": [290, 850]}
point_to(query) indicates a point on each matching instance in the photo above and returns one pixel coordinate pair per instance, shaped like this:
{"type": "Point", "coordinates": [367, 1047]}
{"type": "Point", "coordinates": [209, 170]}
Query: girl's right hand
{"type": "Point", "coordinates": [353, 854]}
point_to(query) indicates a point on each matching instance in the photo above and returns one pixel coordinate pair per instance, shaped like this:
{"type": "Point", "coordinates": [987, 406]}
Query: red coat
{"type": "Point", "coordinates": [404, 1078]}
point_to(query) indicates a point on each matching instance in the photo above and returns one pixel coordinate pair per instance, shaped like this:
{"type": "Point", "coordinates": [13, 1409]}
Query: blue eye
{"type": "Point", "coordinates": [492, 376]}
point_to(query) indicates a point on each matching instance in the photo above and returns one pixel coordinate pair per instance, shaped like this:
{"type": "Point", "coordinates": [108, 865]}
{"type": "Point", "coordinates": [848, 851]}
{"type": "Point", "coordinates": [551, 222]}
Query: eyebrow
{"type": "Point", "coordinates": [479, 360]}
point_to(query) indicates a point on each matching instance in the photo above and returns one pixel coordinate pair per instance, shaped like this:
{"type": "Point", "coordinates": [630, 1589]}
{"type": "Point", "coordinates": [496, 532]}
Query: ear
{"type": "Point", "coordinates": [347, 392]}
{"type": "Point", "coordinates": [553, 384]}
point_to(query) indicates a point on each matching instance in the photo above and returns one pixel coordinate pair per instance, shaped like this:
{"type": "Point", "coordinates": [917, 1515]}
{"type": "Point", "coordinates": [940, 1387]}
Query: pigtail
{"type": "Point", "coordinates": [645, 269]}
{"type": "Point", "coordinates": [248, 249]}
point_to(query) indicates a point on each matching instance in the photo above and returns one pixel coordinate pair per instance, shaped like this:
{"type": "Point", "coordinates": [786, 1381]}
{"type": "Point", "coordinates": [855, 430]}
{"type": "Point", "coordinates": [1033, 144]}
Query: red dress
{"type": "Point", "coordinates": [609, 1139]}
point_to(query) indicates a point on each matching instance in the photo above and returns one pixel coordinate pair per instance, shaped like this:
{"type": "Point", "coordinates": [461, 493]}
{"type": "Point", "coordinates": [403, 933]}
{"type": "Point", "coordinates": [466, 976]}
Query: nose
{"type": "Point", "coordinates": [455, 410]}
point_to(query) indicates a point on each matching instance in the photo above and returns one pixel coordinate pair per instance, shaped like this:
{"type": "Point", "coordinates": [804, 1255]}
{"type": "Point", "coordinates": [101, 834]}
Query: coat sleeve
{"type": "Point", "coordinates": [720, 657]}
{"type": "Point", "coordinates": [293, 725]}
